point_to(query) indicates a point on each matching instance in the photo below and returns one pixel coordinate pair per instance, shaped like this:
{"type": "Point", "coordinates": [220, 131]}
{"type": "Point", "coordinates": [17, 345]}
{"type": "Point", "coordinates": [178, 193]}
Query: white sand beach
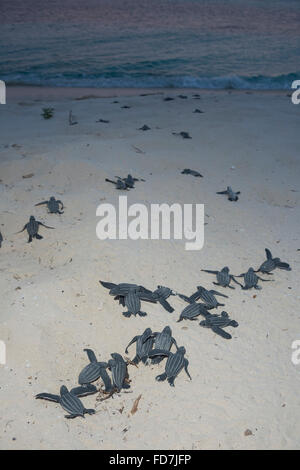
{"type": "Point", "coordinates": [244, 392]}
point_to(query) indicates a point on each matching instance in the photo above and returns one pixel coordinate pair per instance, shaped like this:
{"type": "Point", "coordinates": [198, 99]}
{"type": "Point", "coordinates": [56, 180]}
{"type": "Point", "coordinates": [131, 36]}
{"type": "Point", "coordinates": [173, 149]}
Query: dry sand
{"type": "Point", "coordinates": [53, 306]}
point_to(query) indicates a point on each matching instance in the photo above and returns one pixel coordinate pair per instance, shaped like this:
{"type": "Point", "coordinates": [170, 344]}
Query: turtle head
{"type": "Point", "coordinates": [225, 270]}
{"type": "Point", "coordinates": [52, 198]}
{"type": "Point", "coordinates": [32, 218]}
{"type": "Point", "coordinates": [182, 350]}
{"type": "Point", "coordinates": [117, 356]}
{"type": "Point", "coordinates": [147, 332]}
{"type": "Point", "coordinates": [250, 270]}
{"type": "Point", "coordinates": [167, 330]}
{"type": "Point", "coordinates": [63, 390]}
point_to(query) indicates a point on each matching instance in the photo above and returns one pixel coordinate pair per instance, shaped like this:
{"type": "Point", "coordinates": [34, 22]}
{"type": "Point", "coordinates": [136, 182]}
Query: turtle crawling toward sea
{"type": "Point", "coordinates": [32, 228]}
{"type": "Point", "coordinates": [251, 280]}
{"type": "Point", "coordinates": [232, 195]}
{"type": "Point", "coordinates": [195, 173]}
{"type": "Point", "coordinates": [119, 184]}
{"type": "Point", "coordinates": [93, 371]}
{"type": "Point", "coordinates": [218, 322]}
{"type": "Point", "coordinates": [175, 363]}
{"type": "Point", "coordinates": [192, 311]}
{"type": "Point", "coordinates": [223, 277]}
{"type": "Point", "coordinates": [144, 345]}
{"type": "Point", "coordinates": [69, 401]}
{"type": "Point", "coordinates": [54, 206]}
{"type": "Point", "coordinates": [183, 134]}
{"type": "Point", "coordinates": [118, 368]}
{"type": "Point", "coordinates": [271, 263]}
{"type": "Point", "coordinates": [133, 304]}
{"type": "Point", "coordinates": [163, 341]}
{"type": "Point", "coordinates": [208, 296]}
{"type": "Point", "coordinates": [161, 294]}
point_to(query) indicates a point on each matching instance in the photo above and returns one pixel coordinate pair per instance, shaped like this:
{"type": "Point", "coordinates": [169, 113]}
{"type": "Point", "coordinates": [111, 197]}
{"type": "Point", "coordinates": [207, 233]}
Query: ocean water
{"type": "Point", "coordinates": [151, 43]}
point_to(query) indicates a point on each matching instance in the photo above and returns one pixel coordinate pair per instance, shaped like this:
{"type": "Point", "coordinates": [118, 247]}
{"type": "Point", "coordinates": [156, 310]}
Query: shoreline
{"type": "Point", "coordinates": [15, 93]}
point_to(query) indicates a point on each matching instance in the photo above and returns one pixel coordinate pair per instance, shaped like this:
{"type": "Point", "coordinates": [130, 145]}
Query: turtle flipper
{"type": "Point", "coordinates": [186, 363]}
{"type": "Point", "coordinates": [38, 237]}
{"type": "Point", "coordinates": [131, 342]}
{"type": "Point", "coordinates": [268, 253]}
{"type": "Point", "coordinates": [166, 305]}
{"type": "Point", "coordinates": [72, 416]}
{"type": "Point", "coordinates": [161, 377]}
{"type": "Point", "coordinates": [48, 396]}
{"type": "Point", "coordinates": [108, 285]}
{"type": "Point", "coordinates": [89, 411]}
{"type": "Point", "coordinates": [221, 332]}
{"type": "Point", "coordinates": [40, 203]}
{"type": "Point", "coordinates": [184, 297]}
{"type": "Point", "coordinates": [83, 391]}
{"type": "Point", "coordinates": [30, 239]}
{"type": "Point", "coordinates": [106, 380]}
{"type": "Point", "coordinates": [91, 355]}
{"type": "Point", "coordinates": [234, 323]}
{"type": "Point", "coordinates": [222, 192]}
{"type": "Point", "coordinates": [46, 226]}
{"type": "Point", "coordinates": [127, 314]}
{"type": "Point", "coordinates": [215, 292]}
{"type": "Point", "coordinates": [170, 380]}
{"type": "Point", "coordinates": [209, 271]}
{"type": "Point", "coordinates": [142, 314]}
{"type": "Point", "coordinates": [24, 228]}
{"type": "Point", "coordinates": [282, 265]}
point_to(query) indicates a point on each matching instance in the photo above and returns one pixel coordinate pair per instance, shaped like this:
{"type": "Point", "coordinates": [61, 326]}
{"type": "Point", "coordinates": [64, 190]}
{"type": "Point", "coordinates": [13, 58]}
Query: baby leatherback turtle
{"type": "Point", "coordinates": [208, 296]}
{"type": "Point", "coordinates": [232, 195]}
{"type": "Point", "coordinates": [144, 128]}
{"type": "Point", "coordinates": [53, 205]}
{"type": "Point", "coordinates": [251, 279]}
{"type": "Point", "coordinates": [271, 263]}
{"type": "Point", "coordinates": [163, 341]}
{"type": "Point", "coordinates": [32, 228]}
{"type": "Point", "coordinates": [183, 134]}
{"type": "Point", "coordinates": [119, 184]}
{"type": "Point", "coordinates": [93, 371]}
{"type": "Point", "coordinates": [223, 277]}
{"type": "Point", "coordinates": [187, 171]}
{"type": "Point", "coordinates": [69, 401]}
{"type": "Point", "coordinates": [161, 294]}
{"type": "Point", "coordinates": [133, 304]}
{"type": "Point", "coordinates": [192, 311]}
{"type": "Point", "coordinates": [118, 368]}
{"type": "Point", "coordinates": [217, 322]}
{"type": "Point", "coordinates": [175, 363]}
{"type": "Point", "coordinates": [144, 345]}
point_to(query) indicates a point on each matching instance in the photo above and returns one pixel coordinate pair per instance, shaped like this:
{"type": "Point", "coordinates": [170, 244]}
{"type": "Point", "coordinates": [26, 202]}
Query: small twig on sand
{"type": "Point", "coordinates": [135, 405]}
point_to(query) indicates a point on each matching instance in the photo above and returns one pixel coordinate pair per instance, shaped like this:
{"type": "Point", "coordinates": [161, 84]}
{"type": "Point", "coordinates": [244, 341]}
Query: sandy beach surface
{"type": "Point", "coordinates": [244, 392]}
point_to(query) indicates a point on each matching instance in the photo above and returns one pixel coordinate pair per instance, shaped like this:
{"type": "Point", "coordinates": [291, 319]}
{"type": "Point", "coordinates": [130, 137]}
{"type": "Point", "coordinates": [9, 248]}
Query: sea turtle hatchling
{"type": "Point", "coordinates": [192, 311]}
{"type": "Point", "coordinates": [119, 184]}
{"type": "Point", "coordinates": [187, 171]}
{"type": "Point", "coordinates": [144, 345]}
{"type": "Point", "coordinates": [218, 322]}
{"type": "Point", "coordinates": [232, 195]}
{"type": "Point", "coordinates": [93, 371]}
{"type": "Point", "coordinates": [69, 401]}
{"type": "Point", "coordinates": [183, 134]}
{"type": "Point", "coordinates": [32, 228]}
{"type": "Point", "coordinates": [133, 304]}
{"type": "Point", "coordinates": [163, 341]}
{"type": "Point", "coordinates": [118, 368]}
{"type": "Point", "coordinates": [208, 296]}
{"type": "Point", "coordinates": [223, 277]}
{"type": "Point", "coordinates": [161, 294]}
{"type": "Point", "coordinates": [53, 205]}
{"type": "Point", "coordinates": [251, 279]}
{"type": "Point", "coordinates": [175, 363]}
{"type": "Point", "coordinates": [271, 263]}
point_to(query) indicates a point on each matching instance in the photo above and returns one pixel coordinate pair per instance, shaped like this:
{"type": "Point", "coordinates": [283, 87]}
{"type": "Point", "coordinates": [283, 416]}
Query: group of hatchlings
{"type": "Point", "coordinates": [150, 346]}
{"type": "Point", "coordinates": [155, 346]}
